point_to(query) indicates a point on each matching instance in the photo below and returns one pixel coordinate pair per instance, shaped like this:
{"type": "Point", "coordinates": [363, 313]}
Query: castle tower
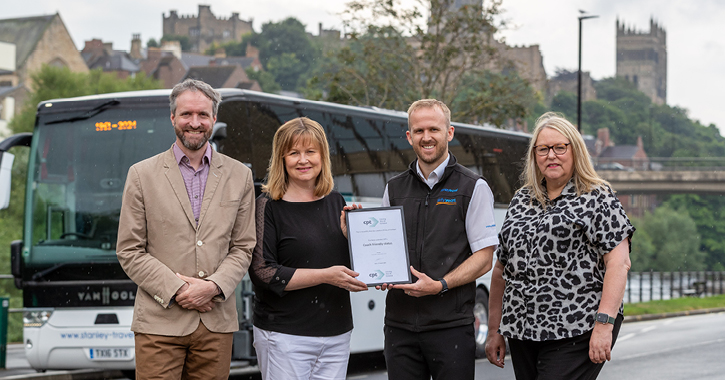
{"type": "Point", "coordinates": [642, 59]}
{"type": "Point", "coordinates": [205, 29]}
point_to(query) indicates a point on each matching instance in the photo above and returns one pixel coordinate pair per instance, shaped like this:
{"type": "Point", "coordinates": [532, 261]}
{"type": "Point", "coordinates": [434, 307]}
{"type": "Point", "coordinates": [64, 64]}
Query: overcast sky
{"type": "Point", "coordinates": [695, 31]}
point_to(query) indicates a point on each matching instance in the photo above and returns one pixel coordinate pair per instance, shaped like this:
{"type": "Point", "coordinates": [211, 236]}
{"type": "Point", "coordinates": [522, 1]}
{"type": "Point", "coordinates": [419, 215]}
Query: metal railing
{"type": "Point", "coordinates": [661, 163]}
{"type": "Point", "coordinates": [649, 286]}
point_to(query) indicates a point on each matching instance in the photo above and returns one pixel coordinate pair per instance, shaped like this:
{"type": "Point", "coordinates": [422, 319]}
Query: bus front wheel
{"type": "Point", "coordinates": [480, 324]}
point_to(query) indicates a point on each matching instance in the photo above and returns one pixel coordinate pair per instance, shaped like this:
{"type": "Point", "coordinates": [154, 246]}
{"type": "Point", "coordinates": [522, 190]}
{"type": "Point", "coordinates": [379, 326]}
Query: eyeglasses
{"type": "Point", "coordinates": [543, 150]}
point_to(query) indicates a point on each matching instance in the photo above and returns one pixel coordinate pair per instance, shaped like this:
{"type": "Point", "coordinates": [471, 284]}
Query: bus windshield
{"type": "Point", "coordinates": [77, 171]}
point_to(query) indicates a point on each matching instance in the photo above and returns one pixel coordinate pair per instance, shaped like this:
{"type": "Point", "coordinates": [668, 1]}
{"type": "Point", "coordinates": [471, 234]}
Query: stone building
{"type": "Point", "coordinates": [206, 29]}
{"type": "Point", "coordinates": [566, 80]}
{"type": "Point", "coordinates": [529, 64]}
{"type": "Point", "coordinates": [642, 59]}
{"type": "Point", "coordinates": [38, 41]}
{"type": "Point", "coordinates": [100, 55]}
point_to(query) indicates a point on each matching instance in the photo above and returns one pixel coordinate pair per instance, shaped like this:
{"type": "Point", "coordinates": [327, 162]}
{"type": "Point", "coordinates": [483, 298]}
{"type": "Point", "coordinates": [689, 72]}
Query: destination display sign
{"type": "Point", "coordinates": [121, 125]}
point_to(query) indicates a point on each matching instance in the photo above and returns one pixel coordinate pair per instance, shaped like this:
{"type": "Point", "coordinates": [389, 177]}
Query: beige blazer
{"type": "Point", "coordinates": [158, 237]}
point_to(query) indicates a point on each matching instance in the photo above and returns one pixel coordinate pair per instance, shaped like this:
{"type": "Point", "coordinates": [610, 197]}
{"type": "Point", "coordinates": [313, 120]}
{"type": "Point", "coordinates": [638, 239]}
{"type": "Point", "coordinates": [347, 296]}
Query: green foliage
{"type": "Point", "coordinates": [183, 41]}
{"type": "Point", "coordinates": [369, 70]}
{"type": "Point", "coordinates": [493, 98]}
{"type": "Point", "coordinates": [666, 240]}
{"type": "Point", "coordinates": [391, 60]}
{"type": "Point", "coordinates": [52, 82]}
{"type": "Point", "coordinates": [231, 48]}
{"type": "Point", "coordinates": [285, 51]}
{"type": "Point", "coordinates": [152, 43]}
{"type": "Point", "coordinates": [565, 103]}
{"type": "Point", "coordinates": [265, 80]}
{"type": "Point", "coordinates": [628, 113]}
{"type": "Point", "coordinates": [708, 212]}
{"type": "Point", "coordinates": [674, 305]}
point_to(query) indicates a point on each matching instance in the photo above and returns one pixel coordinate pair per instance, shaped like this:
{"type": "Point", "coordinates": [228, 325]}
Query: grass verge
{"type": "Point", "coordinates": [674, 305]}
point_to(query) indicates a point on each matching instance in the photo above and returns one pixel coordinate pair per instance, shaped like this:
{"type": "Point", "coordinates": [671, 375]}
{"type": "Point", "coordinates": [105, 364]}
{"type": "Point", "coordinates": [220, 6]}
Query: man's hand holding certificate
{"type": "Point", "coordinates": [378, 245]}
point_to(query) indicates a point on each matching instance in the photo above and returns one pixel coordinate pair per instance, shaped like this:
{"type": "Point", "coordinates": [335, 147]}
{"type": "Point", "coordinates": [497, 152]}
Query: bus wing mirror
{"type": "Point", "coordinates": [6, 169]}
{"type": "Point", "coordinates": [219, 132]}
{"type": "Point", "coordinates": [6, 164]}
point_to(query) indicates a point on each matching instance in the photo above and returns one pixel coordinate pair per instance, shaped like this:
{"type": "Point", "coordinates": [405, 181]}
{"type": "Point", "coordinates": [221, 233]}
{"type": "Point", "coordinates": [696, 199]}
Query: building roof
{"type": "Point", "coordinates": [193, 59]}
{"type": "Point", "coordinates": [244, 62]}
{"type": "Point", "coordinates": [7, 90]}
{"type": "Point", "coordinates": [215, 76]}
{"type": "Point", "coordinates": [24, 33]}
{"type": "Point", "coordinates": [619, 151]}
{"type": "Point", "coordinates": [118, 61]}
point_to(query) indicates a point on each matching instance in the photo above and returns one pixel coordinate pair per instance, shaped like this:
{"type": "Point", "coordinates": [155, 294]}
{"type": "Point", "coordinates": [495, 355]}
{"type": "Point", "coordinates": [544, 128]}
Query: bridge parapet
{"type": "Point", "coordinates": [666, 181]}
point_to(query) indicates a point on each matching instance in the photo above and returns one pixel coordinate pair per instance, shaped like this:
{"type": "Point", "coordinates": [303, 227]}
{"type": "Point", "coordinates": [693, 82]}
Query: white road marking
{"type": "Point", "coordinates": [670, 349]}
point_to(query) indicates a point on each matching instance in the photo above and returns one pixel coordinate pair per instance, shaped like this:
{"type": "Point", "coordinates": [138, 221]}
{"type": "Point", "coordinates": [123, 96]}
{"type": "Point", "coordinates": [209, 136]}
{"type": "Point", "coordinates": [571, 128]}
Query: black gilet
{"type": "Point", "coordinates": [435, 221]}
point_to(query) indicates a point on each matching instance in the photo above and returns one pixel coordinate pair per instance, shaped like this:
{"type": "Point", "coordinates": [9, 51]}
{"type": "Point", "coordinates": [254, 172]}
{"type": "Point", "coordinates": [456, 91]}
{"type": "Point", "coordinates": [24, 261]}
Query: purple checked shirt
{"type": "Point", "coordinates": [194, 180]}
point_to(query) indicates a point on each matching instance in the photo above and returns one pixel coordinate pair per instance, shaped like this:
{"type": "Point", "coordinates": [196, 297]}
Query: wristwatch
{"type": "Point", "coordinates": [445, 286]}
{"type": "Point", "coordinates": [604, 318]}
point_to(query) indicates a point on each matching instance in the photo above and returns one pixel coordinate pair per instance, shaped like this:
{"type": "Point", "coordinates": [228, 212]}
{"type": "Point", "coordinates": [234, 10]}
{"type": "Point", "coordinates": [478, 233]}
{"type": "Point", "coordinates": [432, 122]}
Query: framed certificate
{"type": "Point", "coordinates": [378, 245]}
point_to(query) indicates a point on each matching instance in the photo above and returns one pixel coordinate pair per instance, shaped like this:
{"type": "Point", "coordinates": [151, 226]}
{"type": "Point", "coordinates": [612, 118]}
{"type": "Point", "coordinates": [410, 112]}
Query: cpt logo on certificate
{"type": "Point", "coordinates": [378, 245]}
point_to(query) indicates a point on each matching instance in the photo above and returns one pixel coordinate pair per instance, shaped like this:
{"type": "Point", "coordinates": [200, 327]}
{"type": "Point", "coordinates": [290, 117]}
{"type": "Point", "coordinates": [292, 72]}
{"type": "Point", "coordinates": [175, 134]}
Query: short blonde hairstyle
{"type": "Point", "coordinates": [285, 138]}
{"type": "Point", "coordinates": [585, 177]}
{"type": "Point", "coordinates": [430, 103]}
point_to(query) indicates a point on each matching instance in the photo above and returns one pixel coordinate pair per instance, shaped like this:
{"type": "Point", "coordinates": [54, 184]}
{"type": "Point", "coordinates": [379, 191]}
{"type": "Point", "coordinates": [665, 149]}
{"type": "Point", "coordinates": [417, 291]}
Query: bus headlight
{"type": "Point", "coordinates": [36, 318]}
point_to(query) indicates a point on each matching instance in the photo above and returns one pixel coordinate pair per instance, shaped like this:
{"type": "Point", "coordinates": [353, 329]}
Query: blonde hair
{"type": "Point", "coordinates": [585, 177]}
{"type": "Point", "coordinates": [285, 138]}
{"type": "Point", "coordinates": [430, 103]}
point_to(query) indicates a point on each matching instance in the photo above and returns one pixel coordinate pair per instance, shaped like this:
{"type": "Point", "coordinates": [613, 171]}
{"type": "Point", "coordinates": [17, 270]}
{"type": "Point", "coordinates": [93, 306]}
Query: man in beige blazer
{"type": "Point", "coordinates": [185, 236]}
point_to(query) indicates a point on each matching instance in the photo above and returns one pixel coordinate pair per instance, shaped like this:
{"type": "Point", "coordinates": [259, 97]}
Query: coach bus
{"type": "Point", "coordinates": [77, 300]}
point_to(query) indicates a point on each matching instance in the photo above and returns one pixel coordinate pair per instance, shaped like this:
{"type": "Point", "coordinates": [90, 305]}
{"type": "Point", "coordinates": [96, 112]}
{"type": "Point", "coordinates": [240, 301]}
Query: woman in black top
{"type": "Point", "coordinates": [563, 257]}
{"type": "Point", "coordinates": [302, 313]}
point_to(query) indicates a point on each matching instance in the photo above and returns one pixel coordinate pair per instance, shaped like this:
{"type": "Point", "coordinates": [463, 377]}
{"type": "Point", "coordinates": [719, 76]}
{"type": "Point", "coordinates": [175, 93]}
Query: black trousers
{"type": "Point", "coordinates": [557, 359]}
{"type": "Point", "coordinates": [446, 354]}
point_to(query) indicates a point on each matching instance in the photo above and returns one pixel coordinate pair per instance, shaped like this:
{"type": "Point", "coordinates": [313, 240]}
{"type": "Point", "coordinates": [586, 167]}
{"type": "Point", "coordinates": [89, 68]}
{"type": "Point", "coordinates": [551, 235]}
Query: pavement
{"type": "Point", "coordinates": [17, 367]}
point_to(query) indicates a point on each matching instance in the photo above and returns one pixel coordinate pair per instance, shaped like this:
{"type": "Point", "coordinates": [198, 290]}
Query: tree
{"type": "Point", "coordinates": [285, 51]}
{"type": "Point", "coordinates": [369, 71]}
{"type": "Point", "coordinates": [670, 242]}
{"type": "Point", "coordinates": [152, 43]}
{"type": "Point", "coordinates": [493, 98]}
{"type": "Point", "coordinates": [265, 80]}
{"type": "Point", "coordinates": [708, 213]}
{"type": "Point", "coordinates": [183, 40]}
{"type": "Point", "coordinates": [394, 55]}
{"type": "Point", "coordinates": [564, 102]}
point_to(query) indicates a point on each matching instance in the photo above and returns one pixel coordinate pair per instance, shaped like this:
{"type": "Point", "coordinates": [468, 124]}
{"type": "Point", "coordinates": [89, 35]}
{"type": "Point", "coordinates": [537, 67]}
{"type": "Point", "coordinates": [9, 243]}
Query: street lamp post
{"type": "Point", "coordinates": [579, 80]}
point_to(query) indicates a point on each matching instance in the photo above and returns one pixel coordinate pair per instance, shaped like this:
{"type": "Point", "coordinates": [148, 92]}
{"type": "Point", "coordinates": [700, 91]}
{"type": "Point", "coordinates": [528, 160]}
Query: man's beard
{"type": "Point", "coordinates": [188, 144]}
{"type": "Point", "coordinates": [439, 152]}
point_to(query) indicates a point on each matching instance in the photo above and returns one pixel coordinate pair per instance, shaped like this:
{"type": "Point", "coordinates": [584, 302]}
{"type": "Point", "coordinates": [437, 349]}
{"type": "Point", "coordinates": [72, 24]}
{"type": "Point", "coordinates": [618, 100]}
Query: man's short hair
{"type": "Point", "coordinates": [195, 85]}
{"type": "Point", "coordinates": [430, 103]}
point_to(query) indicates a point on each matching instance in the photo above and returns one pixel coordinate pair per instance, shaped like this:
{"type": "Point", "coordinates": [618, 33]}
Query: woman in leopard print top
{"type": "Point", "coordinates": [557, 288]}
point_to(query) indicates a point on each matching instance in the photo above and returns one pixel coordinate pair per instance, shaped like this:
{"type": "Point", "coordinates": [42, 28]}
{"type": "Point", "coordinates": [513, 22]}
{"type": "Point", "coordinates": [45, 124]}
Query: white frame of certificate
{"type": "Point", "coordinates": [378, 245]}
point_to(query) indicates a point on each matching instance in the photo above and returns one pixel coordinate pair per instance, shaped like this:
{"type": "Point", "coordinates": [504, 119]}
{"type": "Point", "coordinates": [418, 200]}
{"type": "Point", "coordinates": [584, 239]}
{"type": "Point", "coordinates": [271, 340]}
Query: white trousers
{"type": "Point", "coordinates": [293, 357]}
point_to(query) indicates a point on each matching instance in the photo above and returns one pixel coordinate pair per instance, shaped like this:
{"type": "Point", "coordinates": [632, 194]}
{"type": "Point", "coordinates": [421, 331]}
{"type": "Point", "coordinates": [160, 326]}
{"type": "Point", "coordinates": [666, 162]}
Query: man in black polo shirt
{"type": "Point", "coordinates": [451, 238]}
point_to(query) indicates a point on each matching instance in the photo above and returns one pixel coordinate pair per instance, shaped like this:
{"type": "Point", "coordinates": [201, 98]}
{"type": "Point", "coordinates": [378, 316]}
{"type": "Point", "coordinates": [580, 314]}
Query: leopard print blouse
{"type": "Point", "coordinates": [553, 261]}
